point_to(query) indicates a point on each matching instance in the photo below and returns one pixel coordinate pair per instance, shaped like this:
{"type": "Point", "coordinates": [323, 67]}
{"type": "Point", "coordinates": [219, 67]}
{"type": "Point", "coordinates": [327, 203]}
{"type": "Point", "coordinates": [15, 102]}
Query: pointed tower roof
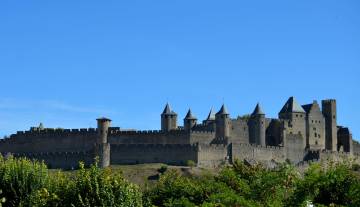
{"type": "Point", "coordinates": [167, 109]}
{"type": "Point", "coordinates": [189, 116]}
{"type": "Point", "coordinates": [257, 110]}
{"type": "Point", "coordinates": [211, 115]}
{"type": "Point", "coordinates": [223, 110]}
{"type": "Point", "coordinates": [313, 107]}
{"type": "Point", "coordinates": [291, 106]}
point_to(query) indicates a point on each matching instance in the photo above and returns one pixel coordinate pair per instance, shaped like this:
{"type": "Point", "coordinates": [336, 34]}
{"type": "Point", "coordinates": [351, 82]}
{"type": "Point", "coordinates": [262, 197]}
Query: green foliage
{"type": "Point", "coordinates": [243, 185]}
{"type": "Point", "coordinates": [356, 167]}
{"type": "Point", "coordinates": [96, 187]}
{"type": "Point", "coordinates": [163, 168]}
{"type": "Point", "coordinates": [29, 183]}
{"type": "Point", "coordinates": [20, 178]}
{"type": "Point", "coordinates": [335, 184]}
{"type": "Point", "coordinates": [190, 163]}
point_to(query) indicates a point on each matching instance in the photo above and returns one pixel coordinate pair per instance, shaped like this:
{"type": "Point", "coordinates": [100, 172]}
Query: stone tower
{"type": "Point", "coordinates": [102, 149]}
{"type": "Point", "coordinates": [168, 119]}
{"type": "Point", "coordinates": [329, 112]}
{"type": "Point", "coordinates": [257, 125]}
{"type": "Point", "coordinates": [294, 117]}
{"type": "Point", "coordinates": [189, 121]}
{"type": "Point", "coordinates": [222, 120]}
{"type": "Point", "coordinates": [315, 126]}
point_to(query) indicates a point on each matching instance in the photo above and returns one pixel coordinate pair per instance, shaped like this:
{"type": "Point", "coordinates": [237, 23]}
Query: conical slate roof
{"type": "Point", "coordinates": [211, 115]}
{"type": "Point", "coordinates": [291, 106]}
{"type": "Point", "coordinates": [167, 110]}
{"type": "Point", "coordinates": [257, 110]}
{"type": "Point", "coordinates": [189, 116]}
{"type": "Point", "coordinates": [223, 110]}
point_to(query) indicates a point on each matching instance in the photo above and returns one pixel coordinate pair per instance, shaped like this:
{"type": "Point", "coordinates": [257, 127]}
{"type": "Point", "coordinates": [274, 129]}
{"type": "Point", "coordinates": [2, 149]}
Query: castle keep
{"type": "Point", "coordinates": [300, 133]}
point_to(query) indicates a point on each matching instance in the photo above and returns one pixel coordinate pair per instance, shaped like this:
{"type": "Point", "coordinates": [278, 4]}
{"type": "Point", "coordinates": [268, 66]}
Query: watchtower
{"type": "Point", "coordinates": [102, 148]}
{"type": "Point", "coordinates": [329, 112]}
{"type": "Point", "coordinates": [222, 123]}
{"type": "Point", "coordinates": [168, 119]}
{"type": "Point", "coordinates": [257, 126]}
{"type": "Point", "coordinates": [189, 121]}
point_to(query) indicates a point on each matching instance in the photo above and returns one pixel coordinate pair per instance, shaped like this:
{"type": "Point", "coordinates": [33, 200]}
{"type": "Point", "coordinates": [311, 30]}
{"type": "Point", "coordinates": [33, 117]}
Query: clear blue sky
{"type": "Point", "coordinates": [65, 63]}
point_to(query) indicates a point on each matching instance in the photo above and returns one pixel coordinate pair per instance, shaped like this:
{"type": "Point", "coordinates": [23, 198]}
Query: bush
{"type": "Point", "coordinates": [96, 187]}
{"type": "Point", "coordinates": [29, 183]}
{"type": "Point", "coordinates": [163, 168]}
{"type": "Point", "coordinates": [20, 178]}
{"type": "Point", "coordinates": [190, 163]}
{"type": "Point", "coordinates": [356, 167]}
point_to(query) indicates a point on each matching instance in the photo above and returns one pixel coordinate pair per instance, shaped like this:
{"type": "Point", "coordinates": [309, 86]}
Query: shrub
{"type": "Point", "coordinates": [29, 183]}
{"type": "Point", "coordinates": [20, 178]}
{"type": "Point", "coordinates": [96, 187]}
{"type": "Point", "coordinates": [163, 168]}
{"type": "Point", "coordinates": [190, 163]}
{"type": "Point", "coordinates": [356, 167]}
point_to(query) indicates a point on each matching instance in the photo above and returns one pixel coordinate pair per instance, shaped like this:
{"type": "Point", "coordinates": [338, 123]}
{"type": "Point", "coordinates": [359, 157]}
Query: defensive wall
{"type": "Point", "coordinates": [202, 137]}
{"type": "Point", "coordinates": [148, 137]}
{"type": "Point", "coordinates": [176, 154]}
{"type": "Point", "coordinates": [50, 140]}
{"type": "Point", "coordinates": [213, 155]}
{"type": "Point", "coordinates": [63, 160]}
{"type": "Point", "coordinates": [257, 152]}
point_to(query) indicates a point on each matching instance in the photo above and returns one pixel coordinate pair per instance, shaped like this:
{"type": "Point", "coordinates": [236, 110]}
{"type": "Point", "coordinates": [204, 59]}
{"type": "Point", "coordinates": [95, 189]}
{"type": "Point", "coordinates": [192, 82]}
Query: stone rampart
{"type": "Point", "coordinates": [149, 137]}
{"type": "Point", "coordinates": [50, 140]}
{"type": "Point", "coordinates": [177, 154]}
{"type": "Point", "coordinates": [257, 152]}
{"type": "Point", "coordinates": [63, 160]}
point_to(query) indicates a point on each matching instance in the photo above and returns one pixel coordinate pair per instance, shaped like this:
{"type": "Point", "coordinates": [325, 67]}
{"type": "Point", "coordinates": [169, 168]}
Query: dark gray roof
{"type": "Point", "coordinates": [257, 110]}
{"type": "Point", "coordinates": [223, 110]}
{"type": "Point", "coordinates": [307, 107]}
{"type": "Point", "coordinates": [167, 109]}
{"type": "Point", "coordinates": [211, 115]}
{"type": "Point", "coordinates": [291, 106]}
{"type": "Point", "coordinates": [190, 116]}
{"type": "Point", "coordinates": [311, 107]}
{"type": "Point", "coordinates": [103, 119]}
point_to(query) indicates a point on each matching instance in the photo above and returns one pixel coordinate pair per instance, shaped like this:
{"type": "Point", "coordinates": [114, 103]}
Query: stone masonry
{"type": "Point", "coordinates": [299, 134]}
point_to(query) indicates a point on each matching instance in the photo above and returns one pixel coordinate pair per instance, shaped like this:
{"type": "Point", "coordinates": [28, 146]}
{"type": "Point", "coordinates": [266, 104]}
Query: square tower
{"type": "Point", "coordinates": [329, 112]}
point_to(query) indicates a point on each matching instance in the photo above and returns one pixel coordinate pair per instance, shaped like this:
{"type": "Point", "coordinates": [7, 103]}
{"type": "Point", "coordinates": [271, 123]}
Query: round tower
{"type": "Point", "coordinates": [168, 119]}
{"type": "Point", "coordinates": [103, 125]}
{"type": "Point", "coordinates": [102, 147]}
{"type": "Point", "coordinates": [189, 121]}
{"type": "Point", "coordinates": [222, 123]}
{"type": "Point", "coordinates": [257, 120]}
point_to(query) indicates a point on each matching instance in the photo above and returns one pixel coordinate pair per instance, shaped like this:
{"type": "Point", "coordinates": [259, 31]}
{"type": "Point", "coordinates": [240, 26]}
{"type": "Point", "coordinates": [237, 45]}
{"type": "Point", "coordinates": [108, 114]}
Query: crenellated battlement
{"type": "Point", "coordinates": [202, 132]}
{"type": "Point", "coordinates": [260, 146]}
{"type": "Point", "coordinates": [144, 132]}
{"type": "Point", "coordinates": [54, 132]}
{"type": "Point", "coordinates": [49, 154]}
{"type": "Point", "coordinates": [154, 146]}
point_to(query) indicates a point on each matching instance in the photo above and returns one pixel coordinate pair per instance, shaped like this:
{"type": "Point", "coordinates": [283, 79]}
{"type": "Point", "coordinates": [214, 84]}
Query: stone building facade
{"type": "Point", "coordinates": [300, 133]}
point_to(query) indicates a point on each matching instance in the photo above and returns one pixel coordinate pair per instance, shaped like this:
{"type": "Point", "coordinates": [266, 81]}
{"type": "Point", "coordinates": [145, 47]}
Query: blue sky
{"type": "Point", "coordinates": [65, 63]}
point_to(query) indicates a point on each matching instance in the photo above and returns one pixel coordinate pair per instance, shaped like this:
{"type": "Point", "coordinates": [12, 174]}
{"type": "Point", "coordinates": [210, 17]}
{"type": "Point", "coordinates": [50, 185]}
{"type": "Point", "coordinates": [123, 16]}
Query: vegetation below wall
{"type": "Point", "coordinates": [27, 183]}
